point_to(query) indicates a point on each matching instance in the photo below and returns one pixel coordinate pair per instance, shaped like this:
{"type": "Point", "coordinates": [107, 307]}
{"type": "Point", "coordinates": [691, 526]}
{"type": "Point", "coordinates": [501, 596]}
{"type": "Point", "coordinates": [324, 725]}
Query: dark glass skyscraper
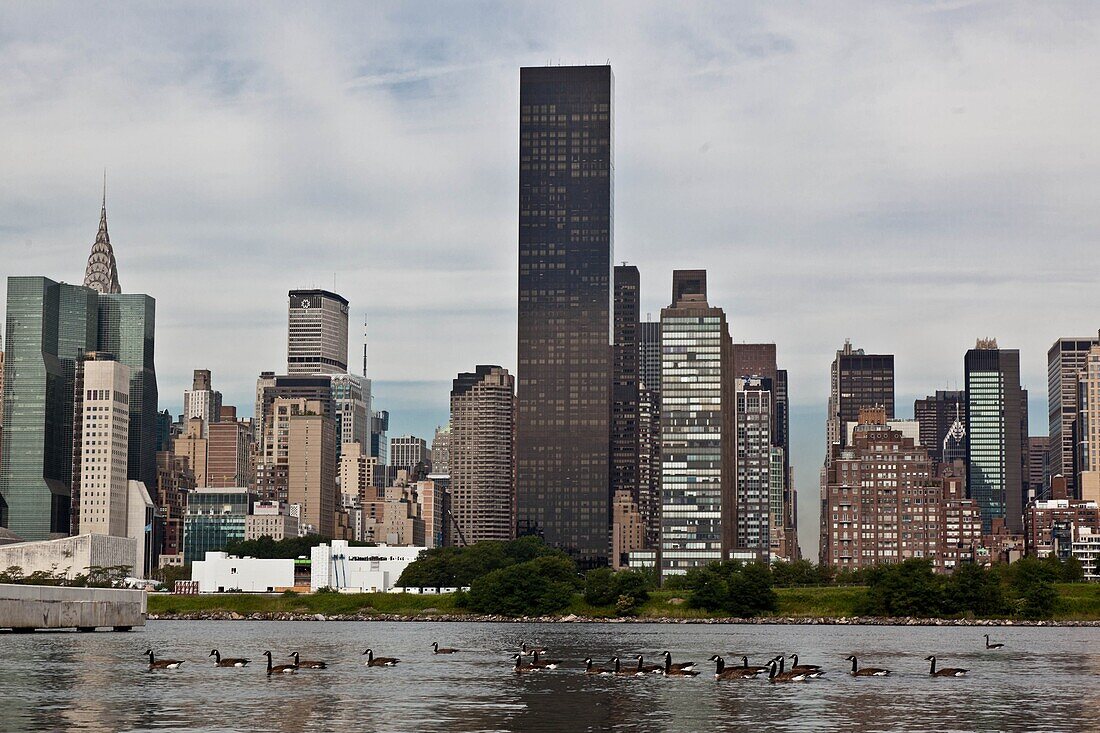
{"type": "Point", "coordinates": [127, 330]}
{"type": "Point", "coordinates": [625, 447]}
{"type": "Point", "coordinates": [566, 183]}
{"type": "Point", "coordinates": [50, 326]}
{"type": "Point", "coordinates": [996, 436]}
{"type": "Point", "coordinates": [937, 414]}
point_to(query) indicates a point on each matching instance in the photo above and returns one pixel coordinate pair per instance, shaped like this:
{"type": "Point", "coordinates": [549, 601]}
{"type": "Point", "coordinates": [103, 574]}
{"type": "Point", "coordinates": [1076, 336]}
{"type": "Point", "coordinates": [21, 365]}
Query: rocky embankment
{"type": "Point", "coordinates": [428, 615]}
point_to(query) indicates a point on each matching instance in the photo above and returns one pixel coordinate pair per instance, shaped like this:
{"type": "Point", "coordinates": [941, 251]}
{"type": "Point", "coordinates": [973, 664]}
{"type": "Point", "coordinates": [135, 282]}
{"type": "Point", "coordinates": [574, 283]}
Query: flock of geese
{"type": "Point", "coordinates": [532, 659]}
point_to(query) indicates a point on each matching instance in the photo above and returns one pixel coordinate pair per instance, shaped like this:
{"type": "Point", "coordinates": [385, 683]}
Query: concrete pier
{"type": "Point", "coordinates": [30, 607]}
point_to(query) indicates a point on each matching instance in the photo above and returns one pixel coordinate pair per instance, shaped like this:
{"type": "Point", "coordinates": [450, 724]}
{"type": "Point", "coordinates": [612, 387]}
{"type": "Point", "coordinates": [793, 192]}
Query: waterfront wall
{"type": "Point", "coordinates": [25, 607]}
{"type": "Point", "coordinates": [71, 556]}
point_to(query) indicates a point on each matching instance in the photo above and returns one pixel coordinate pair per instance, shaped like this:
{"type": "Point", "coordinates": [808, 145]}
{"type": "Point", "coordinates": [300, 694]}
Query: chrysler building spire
{"type": "Point", "coordinates": [102, 272]}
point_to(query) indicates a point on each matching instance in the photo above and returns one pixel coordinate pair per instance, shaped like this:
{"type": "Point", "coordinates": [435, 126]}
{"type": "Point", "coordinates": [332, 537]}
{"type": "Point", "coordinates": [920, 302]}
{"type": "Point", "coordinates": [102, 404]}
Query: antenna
{"type": "Point", "coordinates": [364, 344]}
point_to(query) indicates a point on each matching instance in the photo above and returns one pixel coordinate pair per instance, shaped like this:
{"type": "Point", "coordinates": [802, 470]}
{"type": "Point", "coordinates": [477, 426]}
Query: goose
{"type": "Point", "coordinates": [801, 667]}
{"type": "Point", "coordinates": [678, 665]}
{"type": "Point", "coordinates": [436, 649]}
{"type": "Point", "coordinates": [522, 667]}
{"type": "Point", "coordinates": [589, 669]}
{"type": "Point", "coordinates": [755, 668]}
{"type": "Point", "coordinates": [996, 645]}
{"type": "Point", "coordinates": [528, 651]}
{"type": "Point", "coordinates": [722, 672]}
{"type": "Point", "coordinates": [539, 664]}
{"type": "Point", "coordinates": [775, 675]}
{"type": "Point", "coordinates": [228, 661]}
{"type": "Point", "coordinates": [162, 663]}
{"type": "Point", "coordinates": [808, 671]}
{"type": "Point", "coordinates": [280, 669]}
{"type": "Point", "coordinates": [619, 671]}
{"type": "Point", "coordinates": [946, 671]}
{"type": "Point", "coordinates": [648, 668]}
{"type": "Point", "coordinates": [866, 671]}
{"type": "Point", "coordinates": [672, 670]}
{"type": "Point", "coordinates": [308, 664]}
{"type": "Point", "coordinates": [373, 661]}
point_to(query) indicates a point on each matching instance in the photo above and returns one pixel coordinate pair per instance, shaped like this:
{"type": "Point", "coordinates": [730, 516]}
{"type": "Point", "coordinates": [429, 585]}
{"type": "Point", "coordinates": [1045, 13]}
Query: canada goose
{"type": "Point", "coordinates": [722, 672]}
{"type": "Point", "coordinates": [373, 661]}
{"type": "Point", "coordinates": [866, 671]}
{"type": "Point", "coordinates": [619, 671]}
{"type": "Point", "coordinates": [946, 671]}
{"type": "Point", "coordinates": [540, 664]}
{"type": "Point", "coordinates": [280, 669]}
{"type": "Point", "coordinates": [808, 671]}
{"type": "Point", "coordinates": [307, 664]}
{"type": "Point", "coordinates": [755, 668]}
{"type": "Point", "coordinates": [528, 651]}
{"type": "Point", "coordinates": [672, 670]}
{"type": "Point", "coordinates": [162, 663]}
{"type": "Point", "coordinates": [997, 645]}
{"type": "Point", "coordinates": [648, 668]}
{"type": "Point", "coordinates": [678, 665]}
{"type": "Point", "coordinates": [522, 667]}
{"type": "Point", "coordinates": [228, 661]}
{"type": "Point", "coordinates": [774, 675]}
{"type": "Point", "coordinates": [801, 667]}
{"type": "Point", "coordinates": [589, 669]}
{"type": "Point", "coordinates": [436, 649]}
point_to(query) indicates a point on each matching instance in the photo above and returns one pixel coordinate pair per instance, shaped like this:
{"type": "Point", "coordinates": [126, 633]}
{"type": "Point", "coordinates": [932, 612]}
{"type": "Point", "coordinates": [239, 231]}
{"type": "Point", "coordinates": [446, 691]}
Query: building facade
{"type": "Point", "coordinates": [857, 380]}
{"type": "Point", "coordinates": [937, 414]}
{"type": "Point", "coordinates": [566, 180]}
{"type": "Point", "coordinates": [754, 465]}
{"type": "Point", "coordinates": [202, 400]}
{"type": "Point", "coordinates": [1066, 359]}
{"type": "Point", "coordinates": [482, 455]}
{"type": "Point", "coordinates": [214, 518]}
{"type": "Point", "coordinates": [626, 353]}
{"type": "Point", "coordinates": [997, 434]}
{"type": "Point", "coordinates": [317, 333]}
{"type": "Point", "coordinates": [698, 441]}
{"type": "Point", "coordinates": [100, 453]}
{"type": "Point", "coordinates": [311, 467]}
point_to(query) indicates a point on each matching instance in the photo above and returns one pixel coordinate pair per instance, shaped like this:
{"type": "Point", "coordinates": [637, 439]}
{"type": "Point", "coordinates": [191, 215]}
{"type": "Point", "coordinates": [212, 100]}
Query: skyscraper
{"type": "Point", "coordinates": [482, 455]}
{"type": "Point", "coordinates": [754, 465]}
{"type": "Point", "coordinates": [1066, 359]}
{"type": "Point", "coordinates": [317, 333]}
{"type": "Point", "coordinates": [997, 441]}
{"type": "Point", "coordinates": [101, 274]}
{"type": "Point", "coordinates": [50, 326]}
{"type": "Point", "coordinates": [406, 453]}
{"type": "Point", "coordinates": [649, 430]}
{"type": "Point", "coordinates": [937, 414]}
{"type": "Point", "coordinates": [100, 463]}
{"type": "Point", "coordinates": [566, 179]}
{"type": "Point", "coordinates": [626, 352]}
{"type": "Point", "coordinates": [441, 450]}
{"type": "Point", "coordinates": [127, 329]}
{"type": "Point", "coordinates": [698, 442]}
{"type": "Point", "coordinates": [202, 400]}
{"type": "Point", "coordinates": [857, 380]}
{"type": "Point", "coordinates": [311, 466]}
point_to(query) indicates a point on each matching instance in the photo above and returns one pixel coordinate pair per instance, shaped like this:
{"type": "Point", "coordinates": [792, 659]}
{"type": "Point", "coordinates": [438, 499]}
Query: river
{"type": "Point", "coordinates": [1045, 679]}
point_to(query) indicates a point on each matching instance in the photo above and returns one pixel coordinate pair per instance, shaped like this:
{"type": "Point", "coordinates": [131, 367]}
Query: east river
{"type": "Point", "coordinates": [1044, 679]}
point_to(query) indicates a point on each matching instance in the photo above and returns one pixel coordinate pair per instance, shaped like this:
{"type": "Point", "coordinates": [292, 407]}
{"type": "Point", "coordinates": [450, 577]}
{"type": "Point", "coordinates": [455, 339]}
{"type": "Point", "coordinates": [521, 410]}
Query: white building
{"type": "Point", "coordinates": [222, 573]}
{"type": "Point", "coordinates": [1086, 548]}
{"type": "Point", "coordinates": [104, 445]}
{"type": "Point", "coordinates": [359, 569]}
{"type": "Point", "coordinates": [71, 556]}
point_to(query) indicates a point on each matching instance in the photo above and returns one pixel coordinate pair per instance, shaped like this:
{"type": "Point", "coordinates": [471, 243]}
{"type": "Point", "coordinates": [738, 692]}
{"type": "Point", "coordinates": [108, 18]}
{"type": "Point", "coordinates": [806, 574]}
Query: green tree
{"type": "Point", "coordinates": [973, 589]}
{"type": "Point", "coordinates": [600, 587]}
{"type": "Point", "coordinates": [460, 566]}
{"type": "Point", "coordinates": [736, 588]}
{"type": "Point", "coordinates": [1031, 583]}
{"type": "Point", "coordinates": [909, 588]}
{"type": "Point", "coordinates": [538, 587]}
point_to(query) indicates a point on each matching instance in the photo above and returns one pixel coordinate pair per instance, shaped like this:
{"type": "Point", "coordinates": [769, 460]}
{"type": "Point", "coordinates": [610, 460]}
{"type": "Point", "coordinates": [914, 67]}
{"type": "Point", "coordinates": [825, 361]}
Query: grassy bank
{"type": "Point", "coordinates": [1078, 602]}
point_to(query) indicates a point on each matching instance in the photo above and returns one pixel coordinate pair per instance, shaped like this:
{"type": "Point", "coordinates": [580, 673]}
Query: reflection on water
{"type": "Point", "coordinates": [1045, 679]}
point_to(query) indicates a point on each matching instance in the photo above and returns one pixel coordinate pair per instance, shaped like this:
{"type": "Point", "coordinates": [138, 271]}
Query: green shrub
{"type": "Point", "coordinates": [909, 588]}
{"type": "Point", "coordinates": [740, 589]}
{"type": "Point", "coordinates": [538, 587]}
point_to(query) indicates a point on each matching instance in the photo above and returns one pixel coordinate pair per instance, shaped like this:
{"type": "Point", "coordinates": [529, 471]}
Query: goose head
{"type": "Point", "coordinates": [147, 653]}
{"type": "Point", "coordinates": [930, 659]}
{"type": "Point", "coordinates": [267, 654]}
{"type": "Point", "coordinates": [850, 658]}
{"type": "Point", "coordinates": [213, 653]}
{"type": "Point", "coordinates": [714, 658]}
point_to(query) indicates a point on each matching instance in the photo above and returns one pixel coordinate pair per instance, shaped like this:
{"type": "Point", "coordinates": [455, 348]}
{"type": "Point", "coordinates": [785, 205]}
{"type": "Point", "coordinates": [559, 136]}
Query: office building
{"type": "Point", "coordinates": [1038, 447]}
{"type": "Point", "coordinates": [857, 380]}
{"type": "Point", "coordinates": [628, 529]}
{"type": "Point", "coordinates": [1066, 359]}
{"type": "Point", "coordinates": [1054, 523]}
{"type": "Point", "coordinates": [310, 440]}
{"type": "Point", "coordinates": [193, 447]}
{"type": "Point", "coordinates": [698, 442]}
{"type": "Point", "coordinates": [214, 518]}
{"type": "Point", "coordinates": [101, 273]}
{"type": "Point", "coordinates": [441, 450]}
{"type": "Point", "coordinates": [379, 444]}
{"type": "Point", "coordinates": [566, 178]}
{"type": "Point", "coordinates": [626, 353]}
{"type": "Point", "coordinates": [271, 386]}
{"type": "Point", "coordinates": [1087, 427]}
{"type": "Point", "coordinates": [649, 355]}
{"type": "Point", "coordinates": [174, 481]}
{"type": "Point", "coordinates": [754, 466]}
{"type": "Point", "coordinates": [351, 395]}
{"type": "Point", "coordinates": [100, 488]}
{"type": "Point", "coordinates": [1, 419]}
{"type": "Point", "coordinates": [317, 333]}
{"type": "Point", "coordinates": [50, 326]}
{"type": "Point", "coordinates": [938, 414]}
{"type": "Point", "coordinates": [202, 401]}
{"type": "Point", "coordinates": [270, 519]}
{"type": "Point", "coordinates": [482, 455]}
{"type": "Point", "coordinates": [649, 430]}
{"type": "Point", "coordinates": [228, 449]}
{"type": "Point", "coordinates": [406, 453]}
{"type": "Point", "coordinates": [997, 434]}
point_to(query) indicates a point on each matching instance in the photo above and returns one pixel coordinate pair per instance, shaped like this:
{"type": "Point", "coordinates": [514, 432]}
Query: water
{"type": "Point", "coordinates": [1045, 679]}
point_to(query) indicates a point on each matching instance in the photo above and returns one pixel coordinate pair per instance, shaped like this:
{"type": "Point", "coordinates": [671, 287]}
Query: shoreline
{"type": "Point", "coordinates": [574, 619]}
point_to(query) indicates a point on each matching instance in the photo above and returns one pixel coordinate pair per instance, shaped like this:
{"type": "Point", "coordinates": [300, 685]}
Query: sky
{"type": "Point", "coordinates": [910, 175]}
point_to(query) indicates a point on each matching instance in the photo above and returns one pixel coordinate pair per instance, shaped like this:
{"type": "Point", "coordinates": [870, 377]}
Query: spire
{"type": "Point", "coordinates": [101, 274]}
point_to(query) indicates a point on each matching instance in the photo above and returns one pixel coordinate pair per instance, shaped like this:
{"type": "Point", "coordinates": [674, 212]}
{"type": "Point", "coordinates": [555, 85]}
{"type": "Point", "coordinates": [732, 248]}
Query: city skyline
{"type": "Point", "coordinates": [922, 278]}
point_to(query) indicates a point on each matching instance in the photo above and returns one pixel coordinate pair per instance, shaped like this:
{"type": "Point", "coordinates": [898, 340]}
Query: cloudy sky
{"type": "Point", "coordinates": [909, 175]}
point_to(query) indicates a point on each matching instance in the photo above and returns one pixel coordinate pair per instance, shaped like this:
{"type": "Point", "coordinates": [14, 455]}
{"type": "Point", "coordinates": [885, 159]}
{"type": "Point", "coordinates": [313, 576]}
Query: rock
{"type": "Point", "coordinates": [319, 617]}
{"type": "Point", "coordinates": [235, 616]}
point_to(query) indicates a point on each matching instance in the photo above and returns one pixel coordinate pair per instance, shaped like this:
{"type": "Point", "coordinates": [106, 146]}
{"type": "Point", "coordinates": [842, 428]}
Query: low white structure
{"type": "Point", "coordinates": [1086, 548]}
{"type": "Point", "coordinates": [222, 573]}
{"type": "Point", "coordinates": [72, 556]}
{"type": "Point", "coordinates": [359, 569]}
